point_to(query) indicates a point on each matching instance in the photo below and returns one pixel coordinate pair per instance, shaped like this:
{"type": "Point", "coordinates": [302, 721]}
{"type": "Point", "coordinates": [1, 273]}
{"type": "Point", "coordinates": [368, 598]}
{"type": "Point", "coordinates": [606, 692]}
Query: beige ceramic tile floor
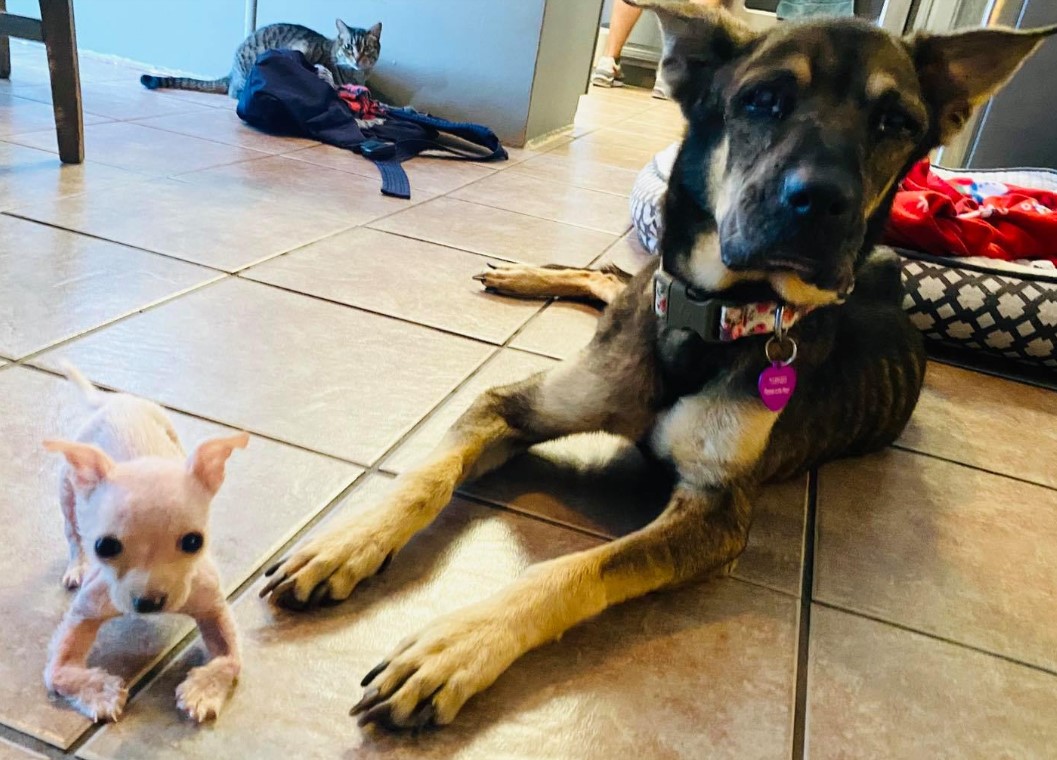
{"type": "Point", "coordinates": [249, 281]}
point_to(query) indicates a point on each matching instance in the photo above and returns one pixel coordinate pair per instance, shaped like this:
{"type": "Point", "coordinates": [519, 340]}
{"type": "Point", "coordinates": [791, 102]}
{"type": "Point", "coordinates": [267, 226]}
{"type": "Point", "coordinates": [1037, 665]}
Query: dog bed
{"type": "Point", "coordinates": [999, 308]}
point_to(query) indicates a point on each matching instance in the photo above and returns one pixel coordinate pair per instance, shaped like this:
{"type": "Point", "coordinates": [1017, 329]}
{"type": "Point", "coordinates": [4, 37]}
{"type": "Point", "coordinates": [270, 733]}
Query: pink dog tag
{"type": "Point", "coordinates": [776, 385]}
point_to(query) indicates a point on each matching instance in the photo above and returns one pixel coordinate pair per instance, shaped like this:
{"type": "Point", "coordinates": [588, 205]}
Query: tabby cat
{"type": "Point", "coordinates": [349, 57]}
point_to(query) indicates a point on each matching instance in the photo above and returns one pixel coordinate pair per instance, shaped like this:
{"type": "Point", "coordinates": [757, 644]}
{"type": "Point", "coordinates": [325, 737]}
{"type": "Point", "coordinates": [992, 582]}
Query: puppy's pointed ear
{"type": "Point", "coordinates": [960, 71]}
{"type": "Point", "coordinates": [698, 41]}
{"type": "Point", "coordinates": [207, 462]}
{"type": "Point", "coordinates": [89, 464]}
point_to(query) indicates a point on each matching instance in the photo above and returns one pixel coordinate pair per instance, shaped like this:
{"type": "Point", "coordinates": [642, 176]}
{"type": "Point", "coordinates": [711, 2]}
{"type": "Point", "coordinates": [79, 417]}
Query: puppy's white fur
{"type": "Point", "coordinates": [127, 479]}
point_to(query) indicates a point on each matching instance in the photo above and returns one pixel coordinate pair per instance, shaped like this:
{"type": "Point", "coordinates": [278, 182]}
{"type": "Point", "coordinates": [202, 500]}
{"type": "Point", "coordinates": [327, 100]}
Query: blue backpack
{"type": "Point", "coordinates": [284, 96]}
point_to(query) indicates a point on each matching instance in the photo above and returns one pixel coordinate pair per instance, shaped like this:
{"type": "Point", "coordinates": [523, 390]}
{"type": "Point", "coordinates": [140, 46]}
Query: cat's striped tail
{"type": "Point", "coordinates": [152, 82]}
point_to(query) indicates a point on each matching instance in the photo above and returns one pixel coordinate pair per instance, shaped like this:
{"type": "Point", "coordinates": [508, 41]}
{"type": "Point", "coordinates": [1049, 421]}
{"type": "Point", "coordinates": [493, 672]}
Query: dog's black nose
{"type": "Point", "coordinates": [145, 604]}
{"type": "Point", "coordinates": [816, 194]}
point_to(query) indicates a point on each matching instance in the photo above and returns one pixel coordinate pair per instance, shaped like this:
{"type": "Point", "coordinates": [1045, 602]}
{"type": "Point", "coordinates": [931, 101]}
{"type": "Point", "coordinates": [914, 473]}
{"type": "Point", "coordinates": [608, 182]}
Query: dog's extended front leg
{"type": "Point", "coordinates": [94, 692]}
{"type": "Point", "coordinates": [501, 423]}
{"type": "Point", "coordinates": [202, 694]}
{"type": "Point", "coordinates": [430, 676]}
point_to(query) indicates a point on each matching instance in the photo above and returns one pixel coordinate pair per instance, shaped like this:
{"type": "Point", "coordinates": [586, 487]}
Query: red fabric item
{"type": "Point", "coordinates": [960, 217]}
{"type": "Point", "coordinates": [359, 99]}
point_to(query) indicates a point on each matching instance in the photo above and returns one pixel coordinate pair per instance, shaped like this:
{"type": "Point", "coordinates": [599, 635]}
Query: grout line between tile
{"type": "Point", "coordinates": [803, 644]}
{"type": "Point", "coordinates": [206, 418]}
{"type": "Point", "coordinates": [151, 307]}
{"type": "Point", "coordinates": [30, 743]}
{"type": "Point", "coordinates": [13, 212]}
{"type": "Point", "coordinates": [450, 196]}
{"type": "Point", "coordinates": [937, 637]}
{"type": "Point", "coordinates": [978, 468]}
{"type": "Point", "coordinates": [405, 320]}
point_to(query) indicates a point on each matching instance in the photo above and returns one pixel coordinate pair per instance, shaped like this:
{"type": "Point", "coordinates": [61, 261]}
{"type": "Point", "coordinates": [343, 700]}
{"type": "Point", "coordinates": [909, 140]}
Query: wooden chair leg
{"type": "Point", "coordinates": [5, 49]}
{"type": "Point", "coordinates": [60, 39]}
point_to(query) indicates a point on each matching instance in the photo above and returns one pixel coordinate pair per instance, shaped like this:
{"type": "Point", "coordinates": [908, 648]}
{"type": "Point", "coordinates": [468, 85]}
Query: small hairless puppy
{"type": "Point", "coordinates": [137, 512]}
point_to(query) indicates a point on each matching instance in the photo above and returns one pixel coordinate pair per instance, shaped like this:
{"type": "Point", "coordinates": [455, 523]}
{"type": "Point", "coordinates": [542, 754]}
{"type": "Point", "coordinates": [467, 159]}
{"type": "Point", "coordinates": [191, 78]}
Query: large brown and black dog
{"type": "Point", "coordinates": [796, 141]}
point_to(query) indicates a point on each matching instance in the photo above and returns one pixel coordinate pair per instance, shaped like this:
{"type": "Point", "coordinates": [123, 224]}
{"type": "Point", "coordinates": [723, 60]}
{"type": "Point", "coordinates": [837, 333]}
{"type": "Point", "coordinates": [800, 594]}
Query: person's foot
{"type": "Point", "coordinates": [607, 73]}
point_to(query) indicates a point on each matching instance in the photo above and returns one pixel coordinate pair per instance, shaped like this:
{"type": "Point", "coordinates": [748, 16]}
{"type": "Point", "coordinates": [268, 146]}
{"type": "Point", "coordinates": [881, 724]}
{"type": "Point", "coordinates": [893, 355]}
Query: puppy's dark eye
{"type": "Point", "coordinates": [107, 547]}
{"type": "Point", "coordinates": [767, 101]}
{"type": "Point", "coordinates": [895, 124]}
{"type": "Point", "coordinates": [191, 543]}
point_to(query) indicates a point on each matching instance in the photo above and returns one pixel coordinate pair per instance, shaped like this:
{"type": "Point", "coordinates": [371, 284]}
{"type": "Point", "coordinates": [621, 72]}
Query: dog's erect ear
{"type": "Point", "coordinates": [960, 71]}
{"type": "Point", "coordinates": [697, 42]}
{"type": "Point", "coordinates": [207, 462]}
{"type": "Point", "coordinates": [89, 465]}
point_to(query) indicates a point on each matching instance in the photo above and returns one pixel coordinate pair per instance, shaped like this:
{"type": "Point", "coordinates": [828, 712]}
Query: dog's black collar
{"type": "Point", "coordinates": [714, 318]}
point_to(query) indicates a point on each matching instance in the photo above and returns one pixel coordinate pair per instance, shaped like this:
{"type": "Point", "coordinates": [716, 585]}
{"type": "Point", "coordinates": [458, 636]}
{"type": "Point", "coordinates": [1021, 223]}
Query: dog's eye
{"type": "Point", "coordinates": [895, 124]}
{"type": "Point", "coordinates": [767, 101]}
{"type": "Point", "coordinates": [107, 547]}
{"type": "Point", "coordinates": [191, 543]}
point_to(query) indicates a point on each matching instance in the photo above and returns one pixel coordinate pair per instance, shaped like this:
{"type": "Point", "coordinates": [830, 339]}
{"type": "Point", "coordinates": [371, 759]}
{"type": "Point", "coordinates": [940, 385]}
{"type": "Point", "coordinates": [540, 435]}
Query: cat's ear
{"type": "Point", "coordinates": [376, 30]}
{"type": "Point", "coordinates": [343, 29]}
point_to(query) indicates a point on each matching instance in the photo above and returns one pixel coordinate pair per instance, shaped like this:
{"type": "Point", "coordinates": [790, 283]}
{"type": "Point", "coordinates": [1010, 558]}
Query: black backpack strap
{"type": "Point", "coordinates": [474, 134]}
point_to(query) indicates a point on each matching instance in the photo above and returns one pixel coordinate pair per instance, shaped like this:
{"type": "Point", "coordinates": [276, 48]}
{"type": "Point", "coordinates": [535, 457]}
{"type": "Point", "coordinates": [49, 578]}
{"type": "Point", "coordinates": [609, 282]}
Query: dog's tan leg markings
{"type": "Point", "coordinates": [500, 424]}
{"type": "Point", "coordinates": [96, 693]}
{"type": "Point", "coordinates": [715, 441]}
{"type": "Point", "coordinates": [206, 688]}
{"type": "Point", "coordinates": [713, 438]}
{"type": "Point", "coordinates": [554, 282]}
{"type": "Point", "coordinates": [432, 675]}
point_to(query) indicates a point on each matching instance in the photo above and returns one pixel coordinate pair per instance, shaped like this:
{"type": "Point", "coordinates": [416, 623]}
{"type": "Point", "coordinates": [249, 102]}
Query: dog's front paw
{"type": "Point", "coordinates": [100, 695]}
{"type": "Point", "coordinates": [74, 575]}
{"type": "Point", "coordinates": [516, 280]}
{"type": "Point", "coordinates": [326, 569]}
{"type": "Point", "coordinates": [432, 675]}
{"type": "Point", "coordinates": [203, 693]}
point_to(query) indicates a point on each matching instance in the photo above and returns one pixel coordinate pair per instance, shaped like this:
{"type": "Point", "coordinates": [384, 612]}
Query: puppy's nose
{"type": "Point", "coordinates": [817, 194]}
{"type": "Point", "coordinates": [146, 604]}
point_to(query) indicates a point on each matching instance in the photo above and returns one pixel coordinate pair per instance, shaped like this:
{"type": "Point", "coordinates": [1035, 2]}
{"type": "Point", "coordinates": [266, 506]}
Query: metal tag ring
{"type": "Point", "coordinates": [774, 341]}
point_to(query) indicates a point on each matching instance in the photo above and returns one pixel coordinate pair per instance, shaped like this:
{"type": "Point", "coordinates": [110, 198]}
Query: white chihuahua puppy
{"type": "Point", "coordinates": [137, 513]}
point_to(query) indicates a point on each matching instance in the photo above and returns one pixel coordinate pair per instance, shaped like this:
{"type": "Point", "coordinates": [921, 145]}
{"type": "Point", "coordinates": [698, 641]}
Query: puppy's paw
{"type": "Point", "coordinates": [203, 693]}
{"type": "Point", "coordinates": [327, 569]}
{"type": "Point", "coordinates": [74, 575]}
{"type": "Point", "coordinates": [101, 696]}
{"type": "Point", "coordinates": [432, 675]}
{"type": "Point", "coordinates": [517, 280]}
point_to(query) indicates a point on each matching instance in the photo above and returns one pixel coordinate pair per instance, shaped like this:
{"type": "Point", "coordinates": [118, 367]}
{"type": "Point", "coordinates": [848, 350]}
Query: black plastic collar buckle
{"type": "Point", "coordinates": [681, 307]}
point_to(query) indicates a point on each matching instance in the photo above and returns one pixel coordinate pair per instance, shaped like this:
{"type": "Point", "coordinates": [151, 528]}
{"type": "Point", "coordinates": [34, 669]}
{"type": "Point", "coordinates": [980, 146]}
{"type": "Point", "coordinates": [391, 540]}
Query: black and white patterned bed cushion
{"type": "Point", "coordinates": [1008, 309]}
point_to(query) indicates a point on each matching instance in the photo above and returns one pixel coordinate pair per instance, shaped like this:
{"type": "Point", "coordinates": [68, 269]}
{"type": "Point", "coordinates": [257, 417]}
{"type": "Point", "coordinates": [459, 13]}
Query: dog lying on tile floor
{"type": "Point", "coordinates": [768, 339]}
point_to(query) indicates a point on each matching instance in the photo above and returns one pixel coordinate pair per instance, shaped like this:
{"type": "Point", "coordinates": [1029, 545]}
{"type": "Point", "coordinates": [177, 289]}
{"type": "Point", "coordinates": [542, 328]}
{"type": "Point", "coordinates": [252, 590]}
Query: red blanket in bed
{"type": "Point", "coordinates": [963, 217]}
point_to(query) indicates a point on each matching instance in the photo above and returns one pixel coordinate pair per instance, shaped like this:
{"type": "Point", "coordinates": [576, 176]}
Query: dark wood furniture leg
{"type": "Point", "coordinates": [60, 39]}
{"type": "Point", "coordinates": [5, 49]}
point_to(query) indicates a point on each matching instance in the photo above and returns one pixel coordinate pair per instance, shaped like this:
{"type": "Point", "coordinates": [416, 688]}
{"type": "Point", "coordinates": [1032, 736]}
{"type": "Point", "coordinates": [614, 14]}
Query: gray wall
{"type": "Point", "coordinates": [563, 64]}
{"type": "Point", "coordinates": [462, 59]}
{"type": "Point", "coordinates": [197, 36]}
